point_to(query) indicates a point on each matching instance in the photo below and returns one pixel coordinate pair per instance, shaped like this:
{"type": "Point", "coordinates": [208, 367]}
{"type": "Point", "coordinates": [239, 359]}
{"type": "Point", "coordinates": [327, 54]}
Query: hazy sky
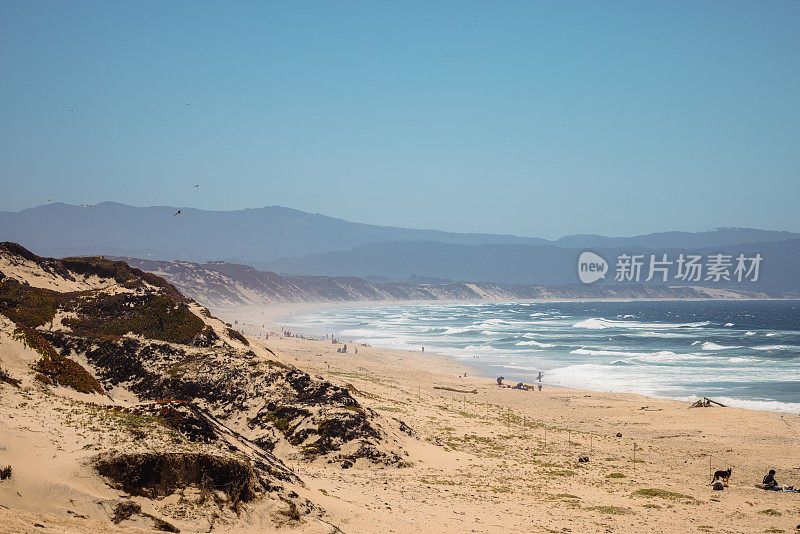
{"type": "Point", "coordinates": [531, 118]}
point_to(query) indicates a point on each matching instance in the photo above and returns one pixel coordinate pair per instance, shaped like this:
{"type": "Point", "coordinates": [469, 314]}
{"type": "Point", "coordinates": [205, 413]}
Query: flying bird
{"type": "Point", "coordinates": [176, 213]}
{"type": "Point", "coordinates": [198, 185]}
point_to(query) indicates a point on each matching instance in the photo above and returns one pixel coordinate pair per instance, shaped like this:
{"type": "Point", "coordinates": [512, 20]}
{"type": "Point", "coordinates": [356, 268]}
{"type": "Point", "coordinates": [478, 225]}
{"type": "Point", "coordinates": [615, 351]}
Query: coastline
{"type": "Point", "coordinates": [276, 316]}
{"type": "Point", "coordinates": [507, 459]}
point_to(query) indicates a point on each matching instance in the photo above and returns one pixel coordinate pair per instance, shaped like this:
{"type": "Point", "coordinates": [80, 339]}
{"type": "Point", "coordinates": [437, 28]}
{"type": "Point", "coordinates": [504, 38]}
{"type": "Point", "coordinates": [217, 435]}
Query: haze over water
{"type": "Point", "coordinates": [744, 354]}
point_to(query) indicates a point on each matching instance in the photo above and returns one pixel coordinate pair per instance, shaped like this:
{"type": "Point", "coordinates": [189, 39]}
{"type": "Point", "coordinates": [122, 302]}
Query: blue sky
{"type": "Point", "coordinates": [532, 118]}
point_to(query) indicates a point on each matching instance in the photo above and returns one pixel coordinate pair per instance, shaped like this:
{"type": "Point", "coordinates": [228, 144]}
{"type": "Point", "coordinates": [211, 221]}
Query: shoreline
{"type": "Point", "coordinates": [505, 459]}
{"type": "Point", "coordinates": [275, 314]}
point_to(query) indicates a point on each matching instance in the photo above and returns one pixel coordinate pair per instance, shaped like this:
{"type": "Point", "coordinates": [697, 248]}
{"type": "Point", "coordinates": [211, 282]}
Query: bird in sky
{"type": "Point", "coordinates": [198, 185]}
{"type": "Point", "coordinates": [176, 213]}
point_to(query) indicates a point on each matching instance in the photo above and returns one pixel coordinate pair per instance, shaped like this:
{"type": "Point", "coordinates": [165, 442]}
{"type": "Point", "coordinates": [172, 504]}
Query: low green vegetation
{"type": "Point", "coordinates": [152, 317]}
{"type": "Point", "coordinates": [27, 305]}
{"type": "Point", "coordinates": [615, 475]}
{"type": "Point", "coordinates": [53, 368]}
{"type": "Point", "coordinates": [235, 334]}
{"type": "Point", "coordinates": [663, 494]}
{"type": "Point", "coordinates": [610, 510]}
{"type": "Point", "coordinates": [770, 511]}
{"type": "Point", "coordinates": [5, 377]}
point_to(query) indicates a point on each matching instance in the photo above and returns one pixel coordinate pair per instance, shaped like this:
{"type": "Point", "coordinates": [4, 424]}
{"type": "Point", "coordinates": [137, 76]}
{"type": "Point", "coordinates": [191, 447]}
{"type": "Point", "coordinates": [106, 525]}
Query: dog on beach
{"type": "Point", "coordinates": [722, 475]}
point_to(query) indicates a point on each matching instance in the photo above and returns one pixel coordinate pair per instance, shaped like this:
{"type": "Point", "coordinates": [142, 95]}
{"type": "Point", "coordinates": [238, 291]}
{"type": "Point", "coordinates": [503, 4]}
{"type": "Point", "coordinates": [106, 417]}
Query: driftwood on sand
{"type": "Point", "coordinates": [475, 391]}
{"type": "Point", "coordinates": [705, 402]}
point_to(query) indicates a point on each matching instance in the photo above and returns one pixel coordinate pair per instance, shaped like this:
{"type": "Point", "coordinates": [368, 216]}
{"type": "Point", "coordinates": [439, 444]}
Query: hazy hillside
{"type": "Point", "coordinates": [251, 235]}
{"type": "Point", "coordinates": [263, 235]}
{"type": "Point", "coordinates": [520, 264]}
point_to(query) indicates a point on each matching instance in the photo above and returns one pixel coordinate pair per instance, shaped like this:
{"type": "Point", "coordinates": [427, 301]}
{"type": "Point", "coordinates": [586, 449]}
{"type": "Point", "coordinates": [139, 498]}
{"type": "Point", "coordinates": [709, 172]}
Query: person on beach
{"type": "Point", "coordinates": [769, 480]}
{"type": "Point", "coordinates": [770, 483]}
{"type": "Point", "coordinates": [423, 350]}
{"type": "Point", "coordinates": [500, 380]}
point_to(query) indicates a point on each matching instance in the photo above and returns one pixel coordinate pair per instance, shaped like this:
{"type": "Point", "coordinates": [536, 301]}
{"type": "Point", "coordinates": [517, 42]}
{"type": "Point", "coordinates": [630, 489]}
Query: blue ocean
{"type": "Point", "coordinates": [741, 353]}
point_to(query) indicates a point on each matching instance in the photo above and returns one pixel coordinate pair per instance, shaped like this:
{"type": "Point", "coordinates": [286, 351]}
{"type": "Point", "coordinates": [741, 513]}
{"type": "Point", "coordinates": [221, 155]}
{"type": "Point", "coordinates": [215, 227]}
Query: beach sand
{"type": "Point", "coordinates": [507, 460]}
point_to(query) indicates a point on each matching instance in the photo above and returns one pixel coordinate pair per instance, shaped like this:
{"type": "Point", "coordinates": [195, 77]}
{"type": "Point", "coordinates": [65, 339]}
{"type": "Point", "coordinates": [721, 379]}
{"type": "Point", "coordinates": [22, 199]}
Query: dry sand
{"type": "Point", "coordinates": [507, 460]}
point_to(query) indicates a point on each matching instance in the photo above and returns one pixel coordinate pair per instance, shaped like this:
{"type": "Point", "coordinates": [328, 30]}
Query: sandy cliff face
{"type": "Point", "coordinates": [223, 285]}
{"type": "Point", "coordinates": [173, 418]}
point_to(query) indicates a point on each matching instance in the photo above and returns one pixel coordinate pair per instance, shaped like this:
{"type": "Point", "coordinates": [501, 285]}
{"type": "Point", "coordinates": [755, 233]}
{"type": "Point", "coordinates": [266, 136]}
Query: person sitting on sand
{"type": "Point", "coordinates": [500, 380]}
{"type": "Point", "coordinates": [770, 482]}
{"type": "Point", "coordinates": [519, 386]}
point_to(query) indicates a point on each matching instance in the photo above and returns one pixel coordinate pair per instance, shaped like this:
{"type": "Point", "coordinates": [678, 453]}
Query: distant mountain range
{"type": "Point", "coordinates": [520, 264]}
{"type": "Point", "coordinates": [293, 242]}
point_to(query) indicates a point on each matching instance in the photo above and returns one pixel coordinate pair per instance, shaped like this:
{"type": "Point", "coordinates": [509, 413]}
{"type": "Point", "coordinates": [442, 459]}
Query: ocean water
{"type": "Point", "coordinates": [744, 354]}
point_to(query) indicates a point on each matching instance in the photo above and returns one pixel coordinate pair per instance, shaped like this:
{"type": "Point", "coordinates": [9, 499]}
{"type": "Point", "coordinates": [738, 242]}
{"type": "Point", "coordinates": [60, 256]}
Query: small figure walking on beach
{"type": "Point", "coordinates": [423, 349]}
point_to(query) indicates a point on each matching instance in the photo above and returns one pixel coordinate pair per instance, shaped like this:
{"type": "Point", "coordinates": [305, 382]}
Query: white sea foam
{"type": "Point", "coordinates": [777, 347]}
{"type": "Point", "coordinates": [535, 343]}
{"type": "Point", "coordinates": [599, 323]}
{"type": "Point", "coordinates": [626, 354]}
{"type": "Point", "coordinates": [708, 345]}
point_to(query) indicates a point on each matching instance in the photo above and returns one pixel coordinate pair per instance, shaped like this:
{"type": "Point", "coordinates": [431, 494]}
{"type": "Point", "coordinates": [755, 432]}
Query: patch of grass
{"type": "Point", "coordinates": [5, 377]}
{"type": "Point", "coordinates": [279, 365]}
{"type": "Point", "coordinates": [567, 496]}
{"type": "Point", "coordinates": [353, 391]}
{"type": "Point", "coordinates": [235, 334]}
{"type": "Point", "coordinates": [54, 368]}
{"type": "Point", "coordinates": [561, 473]}
{"type": "Point", "coordinates": [283, 416]}
{"type": "Point", "coordinates": [610, 510]}
{"type": "Point", "coordinates": [27, 305]}
{"type": "Point", "coordinates": [389, 409]}
{"type": "Point", "coordinates": [663, 494]}
{"type": "Point", "coordinates": [616, 475]}
{"type": "Point", "coordinates": [5, 472]}
{"type": "Point", "coordinates": [775, 530]}
{"type": "Point", "coordinates": [312, 449]}
{"type": "Point", "coordinates": [770, 511]}
{"type": "Point", "coordinates": [151, 316]}
{"type": "Point", "coordinates": [650, 505]}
